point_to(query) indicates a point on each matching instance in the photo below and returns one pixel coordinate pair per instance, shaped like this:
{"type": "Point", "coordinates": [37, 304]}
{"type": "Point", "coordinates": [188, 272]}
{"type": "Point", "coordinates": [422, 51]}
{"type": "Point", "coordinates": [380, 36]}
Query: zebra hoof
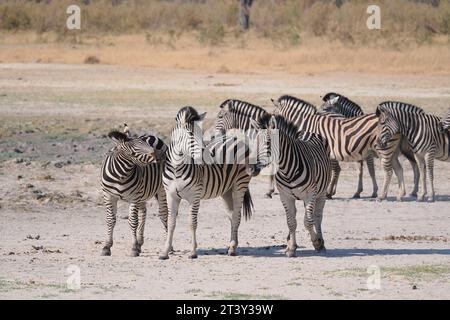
{"type": "Point", "coordinates": [232, 253]}
{"type": "Point", "coordinates": [268, 196]}
{"type": "Point", "coordinates": [134, 253]}
{"type": "Point", "coordinates": [172, 250]}
{"type": "Point", "coordinates": [374, 195]}
{"type": "Point", "coordinates": [106, 251]}
{"type": "Point", "coordinates": [290, 253]}
{"type": "Point", "coordinates": [356, 196]}
{"type": "Point", "coordinates": [319, 245]}
{"type": "Point", "coordinates": [163, 257]}
{"type": "Point", "coordinates": [413, 194]}
{"type": "Point", "coordinates": [329, 196]}
{"type": "Point", "coordinates": [193, 256]}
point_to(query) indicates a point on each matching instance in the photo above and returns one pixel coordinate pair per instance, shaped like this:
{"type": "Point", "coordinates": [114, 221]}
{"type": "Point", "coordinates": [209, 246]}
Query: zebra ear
{"type": "Point", "coordinates": [334, 100]}
{"type": "Point", "coordinates": [273, 122]}
{"type": "Point", "coordinates": [275, 103]}
{"type": "Point", "coordinates": [202, 116]}
{"type": "Point", "coordinates": [118, 136]}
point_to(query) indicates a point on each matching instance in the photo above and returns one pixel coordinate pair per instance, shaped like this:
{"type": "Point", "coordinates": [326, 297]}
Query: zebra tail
{"type": "Point", "coordinates": [247, 205]}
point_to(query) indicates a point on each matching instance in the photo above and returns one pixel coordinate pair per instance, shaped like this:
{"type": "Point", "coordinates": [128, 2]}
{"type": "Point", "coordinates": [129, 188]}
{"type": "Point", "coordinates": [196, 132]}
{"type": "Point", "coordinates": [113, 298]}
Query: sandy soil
{"type": "Point", "coordinates": [52, 138]}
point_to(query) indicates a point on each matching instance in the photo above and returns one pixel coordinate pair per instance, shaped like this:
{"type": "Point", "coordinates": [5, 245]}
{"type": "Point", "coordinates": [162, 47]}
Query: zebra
{"type": "Point", "coordinates": [132, 171]}
{"type": "Point", "coordinates": [304, 172]}
{"type": "Point", "coordinates": [424, 134]}
{"type": "Point", "coordinates": [336, 103]}
{"type": "Point", "coordinates": [242, 115]}
{"type": "Point", "coordinates": [445, 122]}
{"type": "Point", "coordinates": [350, 139]}
{"type": "Point", "coordinates": [187, 177]}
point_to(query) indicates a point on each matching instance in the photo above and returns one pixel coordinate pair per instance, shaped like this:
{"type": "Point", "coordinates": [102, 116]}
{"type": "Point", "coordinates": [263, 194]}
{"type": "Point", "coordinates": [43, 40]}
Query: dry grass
{"type": "Point", "coordinates": [258, 56]}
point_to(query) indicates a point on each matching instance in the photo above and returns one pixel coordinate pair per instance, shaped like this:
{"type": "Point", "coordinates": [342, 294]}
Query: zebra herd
{"type": "Point", "coordinates": [300, 145]}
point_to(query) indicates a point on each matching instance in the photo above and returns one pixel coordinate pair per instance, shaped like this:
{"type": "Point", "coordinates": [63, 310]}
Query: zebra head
{"type": "Point", "coordinates": [134, 149]}
{"type": "Point", "coordinates": [224, 118]}
{"type": "Point", "coordinates": [330, 95]}
{"type": "Point", "coordinates": [266, 141]}
{"type": "Point", "coordinates": [387, 126]}
{"type": "Point", "coordinates": [332, 105]}
{"type": "Point", "coordinates": [187, 137]}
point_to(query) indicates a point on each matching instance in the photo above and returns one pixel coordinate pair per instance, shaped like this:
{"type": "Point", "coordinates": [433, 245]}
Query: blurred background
{"type": "Point", "coordinates": [295, 36]}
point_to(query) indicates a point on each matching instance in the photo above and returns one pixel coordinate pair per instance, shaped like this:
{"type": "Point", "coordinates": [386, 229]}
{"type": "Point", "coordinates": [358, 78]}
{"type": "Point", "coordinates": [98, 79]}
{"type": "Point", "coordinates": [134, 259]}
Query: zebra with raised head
{"type": "Point", "coordinates": [350, 139]}
{"type": "Point", "coordinates": [304, 172]}
{"type": "Point", "coordinates": [132, 172]}
{"type": "Point", "coordinates": [424, 134]}
{"type": "Point", "coordinates": [338, 104]}
{"type": "Point", "coordinates": [188, 176]}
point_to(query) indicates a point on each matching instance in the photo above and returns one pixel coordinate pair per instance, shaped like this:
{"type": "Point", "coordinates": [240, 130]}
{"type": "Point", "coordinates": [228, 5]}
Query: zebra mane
{"type": "Point", "coordinates": [395, 106]}
{"type": "Point", "coordinates": [293, 102]}
{"type": "Point", "coordinates": [187, 115]}
{"type": "Point", "coordinates": [118, 135]}
{"type": "Point", "coordinates": [284, 125]}
{"type": "Point", "coordinates": [242, 107]}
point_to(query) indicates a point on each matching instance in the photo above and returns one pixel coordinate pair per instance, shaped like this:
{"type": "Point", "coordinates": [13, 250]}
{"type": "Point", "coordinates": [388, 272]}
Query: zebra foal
{"type": "Point", "coordinates": [132, 171]}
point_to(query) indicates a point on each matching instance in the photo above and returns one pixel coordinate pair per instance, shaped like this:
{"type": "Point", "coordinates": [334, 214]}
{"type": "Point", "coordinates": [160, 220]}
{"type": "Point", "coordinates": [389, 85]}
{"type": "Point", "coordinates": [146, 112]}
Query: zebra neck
{"type": "Point", "coordinates": [120, 167]}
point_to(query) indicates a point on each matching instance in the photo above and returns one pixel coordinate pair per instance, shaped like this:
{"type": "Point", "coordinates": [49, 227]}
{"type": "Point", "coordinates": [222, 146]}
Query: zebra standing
{"type": "Point", "coordinates": [187, 177]}
{"type": "Point", "coordinates": [304, 171]}
{"type": "Point", "coordinates": [423, 132]}
{"type": "Point", "coordinates": [336, 103]}
{"type": "Point", "coordinates": [238, 114]}
{"type": "Point", "coordinates": [132, 171]}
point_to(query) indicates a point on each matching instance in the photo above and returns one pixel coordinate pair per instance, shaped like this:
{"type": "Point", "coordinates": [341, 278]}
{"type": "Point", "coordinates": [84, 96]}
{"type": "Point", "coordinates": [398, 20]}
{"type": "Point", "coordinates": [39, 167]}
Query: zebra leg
{"type": "Point", "coordinates": [133, 223]}
{"type": "Point", "coordinates": [318, 214]}
{"type": "Point", "coordinates": [309, 221]}
{"type": "Point", "coordinates": [357, 195]}
{"type": "Point", "coordinates": [163, 211]}
{"type": "Point", "coordinates": [423, 177]}
{"type": "Point", "coordinates": [173, 203]}
{"type": "Point", "coordinates": [142, 215]}
{"type": "Point", "coordinates": [386, 163]}
{"type": "Point", "coordinates": [111, 214]}
{"type": "Point", "coordinates": [291, 211]}
{"type": "Point", "coordinates": [194, 206]}
{"type": "Point", "coordinates": [398, 169]}
{"type": "Point", "coordinates": [415, 168]}
{"type": "Point", "coordinates": [229, 207]}
{"type": "Point", "coordinates": [429, 162]}
{"type": "Point", "coordinates": [371, 168]}
{"type": "Point", "coordinates": [335, 171]}
{"type": "Point", "coordinates": [271, 187]}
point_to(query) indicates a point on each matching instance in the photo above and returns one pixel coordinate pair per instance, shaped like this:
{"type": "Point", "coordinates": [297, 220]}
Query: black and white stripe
{"type": "Point", "coordinates": [192, 177]}
{"type": "Point", "coordinates": [132, 171]}
{"type": "Point", "coordinates": [304, 172]}
{"type": "Point", "coordinates": [424, 133]}
{"type": "Point", "coordinates": [445, 122]}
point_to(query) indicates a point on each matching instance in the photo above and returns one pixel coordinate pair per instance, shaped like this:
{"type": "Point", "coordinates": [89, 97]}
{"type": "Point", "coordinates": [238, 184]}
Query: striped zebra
{"type": "Point", "coordinates": [188, 177]}
{"type": "Point", "coordinates": [304, 172]}
{"type": "Point", "coordinates": [132, 171]}
{"type": "Point", "coordinates": [424, 134]}
{"type": "Point", "coordinates": [335, 103]}
{"type": "Point", "coordinates": [338, 104]}
{"type": "Point", "coordinates": [445, 122]}
{"type": "Point", "coordinates": [241, 115]}
{"type": "Point", "coordinates": [350, 139]}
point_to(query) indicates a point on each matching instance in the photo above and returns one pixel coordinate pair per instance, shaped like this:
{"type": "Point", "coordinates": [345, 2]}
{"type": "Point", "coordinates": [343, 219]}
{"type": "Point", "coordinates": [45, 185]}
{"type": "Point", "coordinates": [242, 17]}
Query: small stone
{"type": "Point", "coordinates": [19, 177]}
{"type": "Point", "coordinates": [17, 150]}
{"type": "Point", "coordinates": [414, 287]}
{"type": "Point", "coordinates": [29, 186]}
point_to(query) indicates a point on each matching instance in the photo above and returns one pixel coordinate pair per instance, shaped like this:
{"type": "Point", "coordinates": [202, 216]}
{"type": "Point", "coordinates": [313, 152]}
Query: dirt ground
{"type": "Point", "coordinates": [53, 125]}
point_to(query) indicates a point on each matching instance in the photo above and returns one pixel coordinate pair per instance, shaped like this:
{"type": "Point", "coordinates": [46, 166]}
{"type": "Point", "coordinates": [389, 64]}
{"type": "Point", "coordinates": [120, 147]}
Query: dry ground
{"type": "Point", "coordinates": [53, 121]}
